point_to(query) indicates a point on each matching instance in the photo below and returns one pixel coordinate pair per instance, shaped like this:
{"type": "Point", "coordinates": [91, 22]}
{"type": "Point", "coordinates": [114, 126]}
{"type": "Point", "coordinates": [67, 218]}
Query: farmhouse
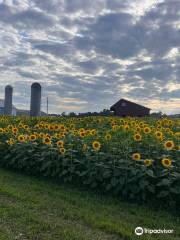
{"type": "Point", "coordinates": [125, 108]}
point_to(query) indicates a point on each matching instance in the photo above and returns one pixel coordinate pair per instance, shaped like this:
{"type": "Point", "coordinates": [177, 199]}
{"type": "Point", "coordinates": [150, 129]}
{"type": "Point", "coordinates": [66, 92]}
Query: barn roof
{"type": "Point", "coordinates": [118, 103]}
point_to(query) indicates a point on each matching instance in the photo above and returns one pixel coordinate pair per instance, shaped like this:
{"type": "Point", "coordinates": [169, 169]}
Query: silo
{"type": "Point", "coordinates": [35, 107]}
{"type": "Point", "coordinates": [8, 100]}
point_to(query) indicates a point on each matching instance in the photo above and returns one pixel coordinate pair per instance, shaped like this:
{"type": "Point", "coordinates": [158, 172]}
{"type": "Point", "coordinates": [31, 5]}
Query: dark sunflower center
{"type": "Point", "coordinates": [167, 162]}
{"type": "Point", "coordinates": [169, 144]}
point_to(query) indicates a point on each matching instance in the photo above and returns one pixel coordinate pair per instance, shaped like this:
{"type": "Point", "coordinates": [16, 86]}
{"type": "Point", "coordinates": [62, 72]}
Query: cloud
{"type": "Point", "coordinates": [49, 6]}
{"type": "Point", "coordinates": [105, 39]}
{"type": "Point", "coordinates": [88, 66]}
{"type": "Point", "coordinates": [55, 48]}
{"type": "Point", "coordinates": [88, 54]}
{"type": "Point", "coordinates": [30, 18]}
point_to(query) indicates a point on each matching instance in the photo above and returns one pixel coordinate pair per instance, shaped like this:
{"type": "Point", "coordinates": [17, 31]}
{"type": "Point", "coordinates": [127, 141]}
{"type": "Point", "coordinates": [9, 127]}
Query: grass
{"type": "Point", "coordinates": [39, 209]}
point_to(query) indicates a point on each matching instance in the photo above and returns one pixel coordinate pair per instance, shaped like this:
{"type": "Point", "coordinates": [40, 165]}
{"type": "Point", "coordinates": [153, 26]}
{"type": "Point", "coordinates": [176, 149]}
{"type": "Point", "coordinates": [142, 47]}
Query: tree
{"type": "Point", "coordinates": [156, 114]}
{"type": "Point", "coordinates": [72, 114]}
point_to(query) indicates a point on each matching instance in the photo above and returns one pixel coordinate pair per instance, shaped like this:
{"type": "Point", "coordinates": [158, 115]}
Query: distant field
{"type": "Point", "coordinates": [39, 209]}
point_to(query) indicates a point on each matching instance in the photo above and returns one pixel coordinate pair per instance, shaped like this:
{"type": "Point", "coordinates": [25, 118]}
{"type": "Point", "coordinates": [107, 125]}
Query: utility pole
{"type": "Point", "coordinates": [47, 106]}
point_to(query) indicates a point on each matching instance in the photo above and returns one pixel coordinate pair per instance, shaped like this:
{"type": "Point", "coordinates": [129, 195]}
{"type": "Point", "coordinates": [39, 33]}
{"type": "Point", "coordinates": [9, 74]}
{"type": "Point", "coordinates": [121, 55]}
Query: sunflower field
{"type": "Point", "coordinates": [135, 158]}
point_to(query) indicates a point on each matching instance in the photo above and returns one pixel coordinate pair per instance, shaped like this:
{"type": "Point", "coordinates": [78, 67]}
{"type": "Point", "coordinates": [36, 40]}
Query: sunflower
{"type": "Point", "coordinates": [133, 123]}
{"type": "Point", "coordinates": [40, 126]}
{"type": "Point", "coordinates": [160, 138]}
{"type": "Point", "coordinates": [62, 150]}
{"type": "Point", "coordinates": [115, 127]}
{"type": "Point", "coordinates": [166, 162]}
{"type": "Point", "coordinates": [51, 127]}
{"type": "Point", "coordinates": [56, 135]}
{"type": "Point", "coordinates": [15, 130]}
{"type": "Point", "coordinates": [62, 135]}
{"type": "Point", "coordinates": [41, 135]}
{"type": "Point", "coordinates": [88, 132]}
{"type": "Point", "coordinates": [159, 128]}
{"type": "Point", "coordinates": [177, 134]}
{"type": "Point", "coordinates": [56, 127]}
{"type": "Point", "coordinates": [137, 129]}
{"type": "Point", "coordinates": [177, 148]}
{"type": "Point", "coordinates": [167, 130]}
{"type": "Point", "coordinates": [62, 127]}
{"type": "Point", "coordinates": [21, 138]}
{"type": "Point", "coordinates": [82, 130]}
{"type": "Point", "coordinates": [169, 145]}
{"type": "Point", "coordinates": [1, 130]}
{"type": "Point", "coordinates": [170, 122]}
{"type": "Point", "coordinates": [158, 134]}
{"type": "Point", "coordinates": [20, 125]}
{"type": "Point", "coordinates": [147, 130]}
{"type": "Point", "coordinates": [32, 137]}
{"type": "Point", "coordinates": [96, 145]}
{"type": "Point", "coordinates": [6, 130]}
{"type": "Point", "coordinates": [141, 124]}
{"type": "Point", "coordinates": [126, 127]}
{"type": "Point", "coordinates": [82, 134]}
{"type": "Point", "coordinates": [73, 132]}
{"type": "Point", "coordinates": [10, 141]}
{"type": "Point", "coordinates": [93, 132]}
{"type": "Point", "coordinates": [9, 127]}
{"type": "Point", "coordinates": [148, 162]}
{"type": "Point", "coordinates": [137, 137]}
{"type": "Point", "coordinates": [108, 136]}
{"type": "Point", "coordinates": [47, 140]}
{"type": "Point", "coordinates": [26, 127]}
{"type": "Point", "coordinates": [48, 135]}
{"type": "Point", "coordinates": [72, 126]}
{"type": "Point", "coordinates": [136, 156]}
{"type": "Point", "coordinates": [60, 143]}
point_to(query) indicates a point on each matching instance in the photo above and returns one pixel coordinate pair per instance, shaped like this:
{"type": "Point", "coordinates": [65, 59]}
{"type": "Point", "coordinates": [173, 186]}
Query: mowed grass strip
{"type": "Point", "coordinates": [39, 209]}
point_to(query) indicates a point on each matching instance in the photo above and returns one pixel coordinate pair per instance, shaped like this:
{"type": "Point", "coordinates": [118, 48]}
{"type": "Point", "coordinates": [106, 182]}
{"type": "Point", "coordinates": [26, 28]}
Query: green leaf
{"type": "Point", "coordinates": [151, 188]}
{"type": "Point", "coordinates": [143, 183]}
{"type": "Point", "coordinates": [108, 187]}
{"type": "Point", "coordinates": [164, 182]}
{"type": "Point", "coordinates": [150, 173]}
{"type": "Point", "coordinates": [106, 174]}
{"type": "Point", "coordinates": [175, 190]}
{"type": "Point", "coordinates": [163, 194]}
{"type": "Point", "coordinates": [114, 181]}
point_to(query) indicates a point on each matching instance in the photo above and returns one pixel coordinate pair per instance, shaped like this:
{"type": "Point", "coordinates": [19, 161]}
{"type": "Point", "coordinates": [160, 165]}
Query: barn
{"type": "Point", "coordinates": [126, 108]}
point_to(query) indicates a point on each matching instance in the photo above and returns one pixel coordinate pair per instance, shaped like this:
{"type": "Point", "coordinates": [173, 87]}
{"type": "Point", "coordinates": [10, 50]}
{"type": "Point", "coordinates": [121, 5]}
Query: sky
{"type": "Point", "coordinates": [88, 54]}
